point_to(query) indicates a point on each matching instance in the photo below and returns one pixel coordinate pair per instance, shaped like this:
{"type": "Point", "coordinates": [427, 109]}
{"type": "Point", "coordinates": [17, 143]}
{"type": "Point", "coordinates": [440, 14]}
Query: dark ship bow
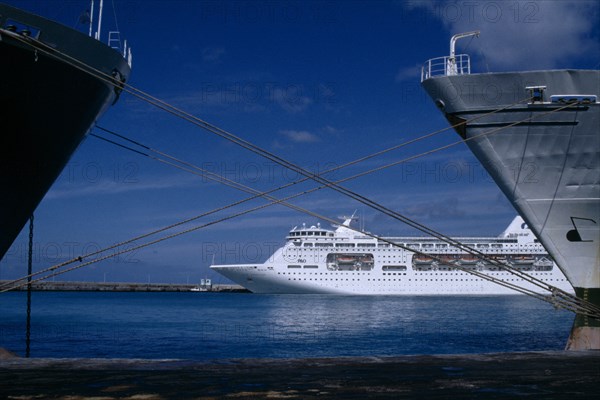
{"type": "Point", "coordinates": [48, 102]}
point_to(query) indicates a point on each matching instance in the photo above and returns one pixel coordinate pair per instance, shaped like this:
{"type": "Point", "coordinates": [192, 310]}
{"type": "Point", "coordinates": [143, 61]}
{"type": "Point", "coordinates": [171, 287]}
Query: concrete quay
{"type": "Point", "coordinates": [534, 375]}
{"type": "Point", "coordinates": [126, 287]}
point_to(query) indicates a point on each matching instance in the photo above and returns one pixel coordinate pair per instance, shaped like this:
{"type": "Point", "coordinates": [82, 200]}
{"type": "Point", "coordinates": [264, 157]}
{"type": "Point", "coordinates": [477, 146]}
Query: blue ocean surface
{"type": "Point", "coordinates": [209, 326]}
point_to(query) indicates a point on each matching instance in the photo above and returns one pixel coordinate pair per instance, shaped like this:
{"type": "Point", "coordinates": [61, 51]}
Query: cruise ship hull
{"type": "Point", "coordinates": [259, 279]}
{"type": "Point", "coordinates": [47, 106]}
{"type": "Point", "coordinates": [544, 154]}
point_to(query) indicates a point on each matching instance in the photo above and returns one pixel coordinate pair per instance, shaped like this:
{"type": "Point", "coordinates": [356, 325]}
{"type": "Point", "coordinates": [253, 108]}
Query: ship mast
{"type": "Point", "coordinates": [100, 7]}
{"type": "Point", "coordinates": [91, 17]}
{"type": "Point", "coordinates": [99, 19]}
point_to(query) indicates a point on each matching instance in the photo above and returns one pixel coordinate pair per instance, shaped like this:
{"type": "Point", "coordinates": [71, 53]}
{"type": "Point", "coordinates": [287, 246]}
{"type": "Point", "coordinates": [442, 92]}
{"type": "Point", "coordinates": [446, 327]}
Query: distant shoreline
{"type": "Point", "coordinates": [127, 287]}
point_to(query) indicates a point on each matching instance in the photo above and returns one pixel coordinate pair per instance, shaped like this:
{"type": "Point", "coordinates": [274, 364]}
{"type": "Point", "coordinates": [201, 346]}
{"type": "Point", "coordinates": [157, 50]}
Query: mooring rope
{"type": "Point", "coordinates": [222, 179]}
{"type": "Point", "coordinates": [233, 138]}
{"type": "Point", "coordinates": [554, 299]}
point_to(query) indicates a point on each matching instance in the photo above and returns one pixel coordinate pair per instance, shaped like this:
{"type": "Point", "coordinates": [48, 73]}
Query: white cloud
{"type": "Point", "coordinates": [408, 73]}
{"type": "Point", "coordinates": [521, 34]}
{"type": "Point", "coordinates": [213, 54]}
{"type": "Point", "coordinates": [291, 98]}
{"type": "Point", "coordinates": [300, 136]}
{"type": "Point", "coordinates": [332, 131]}
{"type": "Point", "coordinates": [111, 187]}
{"type": "Point", "coordinates": [248, 95]}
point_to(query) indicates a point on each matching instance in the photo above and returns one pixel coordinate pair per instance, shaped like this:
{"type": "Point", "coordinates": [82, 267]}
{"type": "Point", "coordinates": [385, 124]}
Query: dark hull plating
{"type": "Point", "coordinates": [46, 108]}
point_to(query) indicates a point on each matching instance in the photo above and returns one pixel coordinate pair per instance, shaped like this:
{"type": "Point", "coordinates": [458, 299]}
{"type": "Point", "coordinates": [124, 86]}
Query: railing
{"type": "Point", "coordinates": [114, 41]}
{"type": "Point", "coordinates": [446, 66]}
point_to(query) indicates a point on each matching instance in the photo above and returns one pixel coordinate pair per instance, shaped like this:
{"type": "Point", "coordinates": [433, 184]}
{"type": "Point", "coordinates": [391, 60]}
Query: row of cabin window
{"type": "Point", "coordinates": [409, 245]}
{"type": "Point", "coordinates": [310, 233]}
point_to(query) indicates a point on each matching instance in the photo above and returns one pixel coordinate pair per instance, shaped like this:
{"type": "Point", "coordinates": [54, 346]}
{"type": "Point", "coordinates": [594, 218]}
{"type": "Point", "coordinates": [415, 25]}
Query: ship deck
{"type": "Point", "coordinates": [548, 375]}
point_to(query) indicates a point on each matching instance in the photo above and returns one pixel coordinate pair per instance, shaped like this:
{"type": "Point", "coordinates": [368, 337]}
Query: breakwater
{"type": "Point", "coordinates": [129, 287]}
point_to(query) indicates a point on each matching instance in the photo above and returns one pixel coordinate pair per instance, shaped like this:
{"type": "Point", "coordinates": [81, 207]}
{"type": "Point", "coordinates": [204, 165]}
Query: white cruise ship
{"type": "Point", "coordinates": [344, 261]}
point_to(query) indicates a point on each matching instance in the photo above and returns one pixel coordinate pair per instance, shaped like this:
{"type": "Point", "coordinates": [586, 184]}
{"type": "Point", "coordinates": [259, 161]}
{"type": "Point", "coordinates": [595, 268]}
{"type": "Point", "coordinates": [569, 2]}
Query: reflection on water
{"type": "Point", "coordinates": [209, 325]}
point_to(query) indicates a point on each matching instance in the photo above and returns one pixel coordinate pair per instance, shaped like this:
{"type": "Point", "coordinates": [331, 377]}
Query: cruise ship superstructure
{"type": "Point", "coordinates": [344, 261]}
{"type": "Point", "coordinates": [538, 135]}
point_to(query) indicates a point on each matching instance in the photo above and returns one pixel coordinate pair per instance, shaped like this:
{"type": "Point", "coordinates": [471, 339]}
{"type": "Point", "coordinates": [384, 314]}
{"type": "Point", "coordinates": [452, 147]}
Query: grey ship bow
{"type": "Point", "coordinates": [537, 133]}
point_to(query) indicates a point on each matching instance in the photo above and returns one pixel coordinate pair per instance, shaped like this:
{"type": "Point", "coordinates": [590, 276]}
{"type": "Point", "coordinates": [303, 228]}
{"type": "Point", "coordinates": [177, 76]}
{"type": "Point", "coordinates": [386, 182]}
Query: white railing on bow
{"type": "Point", "coordinates": [460, 64]}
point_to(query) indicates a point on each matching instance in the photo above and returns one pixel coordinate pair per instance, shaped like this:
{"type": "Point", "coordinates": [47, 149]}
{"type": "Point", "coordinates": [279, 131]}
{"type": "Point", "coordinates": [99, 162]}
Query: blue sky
{"type": "Point", "coordinates": [318, 83]}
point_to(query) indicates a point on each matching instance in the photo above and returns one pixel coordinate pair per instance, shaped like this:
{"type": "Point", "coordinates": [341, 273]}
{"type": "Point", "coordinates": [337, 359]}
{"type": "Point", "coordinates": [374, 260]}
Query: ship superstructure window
{"type": "Point", "coordinates": [320, 233]}
{"type": "Point", "coordinates": [293, 266]}
{"type": "Point", "coordinates": [574, 98]}
{"type": "Point", "coordinates": [311, 266]}
{"type": "Point", "coordinates": [394, 268]}
{"type": "Point", "coordinates": [350, 262]}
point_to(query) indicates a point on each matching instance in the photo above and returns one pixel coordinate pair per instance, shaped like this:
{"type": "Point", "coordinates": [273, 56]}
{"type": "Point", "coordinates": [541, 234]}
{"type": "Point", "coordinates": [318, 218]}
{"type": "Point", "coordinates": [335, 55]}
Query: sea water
{"type": "Point", "coordinates": [208, 326]}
